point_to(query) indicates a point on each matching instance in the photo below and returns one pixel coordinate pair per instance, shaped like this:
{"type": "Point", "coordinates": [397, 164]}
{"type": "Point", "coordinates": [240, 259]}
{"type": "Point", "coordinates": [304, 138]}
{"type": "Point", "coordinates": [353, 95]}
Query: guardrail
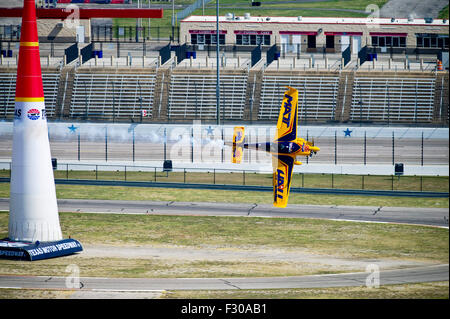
{"type": "Point", "coordinates": [252, 180]}
{"type": "Point", "coordinates": [246, 188]}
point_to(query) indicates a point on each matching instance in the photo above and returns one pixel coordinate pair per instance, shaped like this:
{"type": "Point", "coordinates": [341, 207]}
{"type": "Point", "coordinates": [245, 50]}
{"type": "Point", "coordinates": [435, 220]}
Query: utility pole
{"type": "Point", "coordinates": [138, 23]}
{"type": "Point", "coordinates": [173, 20]}
{"type": "Point", "coordinates": [149, 30]}
{"type": "Point", "coordinates": [217, 62]}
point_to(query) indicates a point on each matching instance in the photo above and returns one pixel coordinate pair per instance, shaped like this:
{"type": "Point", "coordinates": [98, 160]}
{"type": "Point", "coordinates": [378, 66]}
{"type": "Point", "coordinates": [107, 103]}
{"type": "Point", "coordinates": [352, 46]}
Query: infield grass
{"type": "Point", "coordinates": [333, 239]}
{"type": "Point", "coordinates": [431, 290]}
{"type": "Point", "coordinates": [299, 180]}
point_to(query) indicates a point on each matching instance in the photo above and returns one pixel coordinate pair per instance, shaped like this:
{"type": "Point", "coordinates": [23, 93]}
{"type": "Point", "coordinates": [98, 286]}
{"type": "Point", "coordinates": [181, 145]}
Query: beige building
{"type": "Point", "coordinates": [50, 30]}
{"type": "Point", "coordinates": [314, 34]}
{"type": "Point", "coordinates": [68, 30]}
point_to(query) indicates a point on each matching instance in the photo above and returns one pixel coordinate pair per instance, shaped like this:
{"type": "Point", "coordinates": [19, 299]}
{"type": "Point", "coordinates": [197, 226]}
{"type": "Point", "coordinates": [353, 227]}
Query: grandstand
{"type": "Point", "coordinates": [317, 95]}
{"type": "Point", "coordinates": [111, 96]}
{"type": "Point", "coordinates": [393, 99]}
{"type": "Point", "coordinates": [143, 90]}
{"type": "Point", "coordinates": [193, 96]}
{"type": "Point", "coordinates": [8, 92]}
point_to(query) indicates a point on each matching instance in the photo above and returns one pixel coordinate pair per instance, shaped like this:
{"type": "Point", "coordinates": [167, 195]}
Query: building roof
{"type": "Point", "coordinates": [316, 20]}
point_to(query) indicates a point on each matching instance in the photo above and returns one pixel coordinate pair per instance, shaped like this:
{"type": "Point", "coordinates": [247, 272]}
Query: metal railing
{"type": "Point", "coordinates": [137, 34]}
{"type": "Point", "coordinates": [213, 176]}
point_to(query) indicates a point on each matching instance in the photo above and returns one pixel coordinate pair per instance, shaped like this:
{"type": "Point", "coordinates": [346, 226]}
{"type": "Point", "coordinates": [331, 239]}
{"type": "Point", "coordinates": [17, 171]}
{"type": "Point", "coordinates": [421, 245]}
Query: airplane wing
{"type": "Point", "coordinates": [288, 117]}
{"type": "Point", "coordinates": [282, 176]}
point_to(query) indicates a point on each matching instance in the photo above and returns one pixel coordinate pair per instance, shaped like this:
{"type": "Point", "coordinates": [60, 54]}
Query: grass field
{"type": "Point", "coordinates": [334, 239]}
{"type": "Point", "coordinates": [432, 290]}
{"type": "Point", "coordinates": [369, 182]}
{"type": "Point", "coordinates": [223, 196]}
{"type": "Point", "coordinates": [352, 241]}
{"type": "Point", "coordinates": [444, 13]}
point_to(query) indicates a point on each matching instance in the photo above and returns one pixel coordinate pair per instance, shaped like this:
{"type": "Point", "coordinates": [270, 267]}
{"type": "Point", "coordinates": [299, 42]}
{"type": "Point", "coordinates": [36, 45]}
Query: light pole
{"type": "Point", "coordinates": [137, 23]}
{"type": "Point", "coordinates": [149, 34]}
{"type": "Point", "coordinates": [217, 62]}
{"type": "Point", "coordinates": [173, 20]}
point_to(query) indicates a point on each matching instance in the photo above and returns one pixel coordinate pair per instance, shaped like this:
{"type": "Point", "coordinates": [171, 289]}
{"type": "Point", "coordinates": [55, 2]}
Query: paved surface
{"type": "Point", "coordinates": [401, 276]}
{"type": "Point", "coordinates": [415, 8]}
{"type": "Point", "coordinates": [409, 215]}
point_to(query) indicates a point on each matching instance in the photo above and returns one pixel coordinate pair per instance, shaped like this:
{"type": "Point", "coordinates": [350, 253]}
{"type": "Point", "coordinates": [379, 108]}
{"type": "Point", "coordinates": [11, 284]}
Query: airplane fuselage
{"type": "Point", "coordinates": [298, 147]}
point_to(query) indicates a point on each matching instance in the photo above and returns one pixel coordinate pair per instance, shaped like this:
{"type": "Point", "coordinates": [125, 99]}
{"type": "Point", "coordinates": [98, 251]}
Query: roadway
{"type": "Point", "coordinates": [404, 215]}
{"type": "Point", "coordinates": [387, 277]}
{"type": "Point", "coordinates": [413, 8]}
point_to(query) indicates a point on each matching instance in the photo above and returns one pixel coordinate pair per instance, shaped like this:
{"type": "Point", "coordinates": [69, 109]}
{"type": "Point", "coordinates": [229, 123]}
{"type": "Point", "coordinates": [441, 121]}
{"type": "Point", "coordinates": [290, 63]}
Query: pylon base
{"type": "Point", "coordinates": [20, 250]}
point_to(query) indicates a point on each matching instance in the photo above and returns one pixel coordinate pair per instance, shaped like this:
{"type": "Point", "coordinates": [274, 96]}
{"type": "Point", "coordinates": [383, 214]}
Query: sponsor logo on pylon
{"type": "Point", "coordinates": [17, 113]}
{"type": "Point", "coordinates": [33, 114]}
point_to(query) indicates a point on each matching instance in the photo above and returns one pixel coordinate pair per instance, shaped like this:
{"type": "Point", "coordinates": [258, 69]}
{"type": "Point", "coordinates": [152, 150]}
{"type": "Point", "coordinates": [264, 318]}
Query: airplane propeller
{"type": "Point", "coordinates": [311, 144]}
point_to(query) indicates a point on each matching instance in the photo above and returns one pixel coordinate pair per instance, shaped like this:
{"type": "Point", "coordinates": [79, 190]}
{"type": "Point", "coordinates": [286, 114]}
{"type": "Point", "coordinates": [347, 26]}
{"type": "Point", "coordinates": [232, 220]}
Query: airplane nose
{"type": "Point", "coordinates": [315, 148]}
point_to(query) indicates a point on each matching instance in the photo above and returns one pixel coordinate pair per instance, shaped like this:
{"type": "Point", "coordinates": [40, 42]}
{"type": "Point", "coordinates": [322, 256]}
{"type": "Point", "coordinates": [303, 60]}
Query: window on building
{"type": "Point", "coordinates": [389, 41]}
{"type": "Point", "coordinates": [243, 39]}
{"type": "Point", "coordinates": [330, 41]}
{"type": "Point", "coordinates": [311, 41]}
{"type": "Point", "coordinates": [432, 41]}
{"type": "Point", "coordinates": [375, 41]}
{"type": "Point", "coordinates": [419, 43]}
{"type": "Point", "coordinates": [252, 39]}
{"type": "Point", "coordinates": [207, 38]}
{"type": "Point", "coordinates": [395, 42]}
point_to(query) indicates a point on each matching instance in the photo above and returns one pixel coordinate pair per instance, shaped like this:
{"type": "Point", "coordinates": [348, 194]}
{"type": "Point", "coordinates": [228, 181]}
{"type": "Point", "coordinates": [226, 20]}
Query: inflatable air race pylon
{"type": "Point", "coordinates": [34, 228]}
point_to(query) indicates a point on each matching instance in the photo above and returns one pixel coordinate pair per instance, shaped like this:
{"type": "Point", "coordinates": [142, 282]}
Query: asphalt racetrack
{"type": "Point", "coordinates": [400, 276]}
{"type": "Point", "coordinates": [405, 215]}
{"type": "Point", "coordinates": [155, 286]}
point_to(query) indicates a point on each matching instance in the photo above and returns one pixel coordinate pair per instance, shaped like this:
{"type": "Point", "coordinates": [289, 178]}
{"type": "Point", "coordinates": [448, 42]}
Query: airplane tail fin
{"type": "Point", "coordinates": [238, 140]}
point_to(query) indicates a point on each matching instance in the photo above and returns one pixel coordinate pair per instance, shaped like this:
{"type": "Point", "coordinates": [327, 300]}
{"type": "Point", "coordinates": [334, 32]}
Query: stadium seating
{"type": "Point", "coordinates": [193, 96]}
{"type": "Point", "coordinates": [112, 95]}
{"type": "Point", "coordinates": [8, 92]}
{"type": "Point", "coordinates": [184, 94]}
{"type": "Point", "coordinates": [393, 99]}
{"type": "Point", "coordinates": [317, 96]}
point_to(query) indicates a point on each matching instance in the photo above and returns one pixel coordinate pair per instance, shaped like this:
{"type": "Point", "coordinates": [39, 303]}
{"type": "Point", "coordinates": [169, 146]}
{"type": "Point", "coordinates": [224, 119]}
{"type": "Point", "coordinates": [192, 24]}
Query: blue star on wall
{"type": "Point", "coordinates": [209, 130]}
{"type": "Point", "coordinates": [72, 128]}
{"type": "Point", "coordinates": [347, 132]}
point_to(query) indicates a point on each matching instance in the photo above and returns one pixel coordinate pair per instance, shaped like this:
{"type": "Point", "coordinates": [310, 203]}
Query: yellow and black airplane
{"type": "Point", "coordinates": [284, 149]}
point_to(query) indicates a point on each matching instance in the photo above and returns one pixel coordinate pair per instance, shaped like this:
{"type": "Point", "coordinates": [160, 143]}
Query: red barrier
{"type": "Point", "coordinates": [60, 13]}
